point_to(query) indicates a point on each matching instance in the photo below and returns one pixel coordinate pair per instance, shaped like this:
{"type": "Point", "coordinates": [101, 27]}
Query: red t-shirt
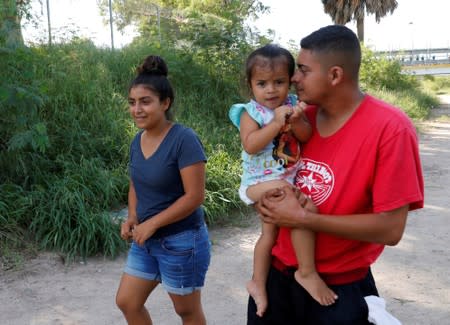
{"type": "Point", "coordinates": [369, 165]}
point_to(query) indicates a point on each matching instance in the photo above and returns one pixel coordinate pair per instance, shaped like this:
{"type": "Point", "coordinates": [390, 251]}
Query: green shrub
{"type": "Point", "coordinates": [384, 78]}
{"type": "Point", "coordinates": [223, 177]}
{"type": "Point", "coordinates": [381, 73]}
{"type": "Point", "coordinates": [72, 214]}
{"type": "Point", "coordinates": [436, 84]}
{"type": "Point", "coordinates": [15, 206]}
{"type": "Point", "coordinates": [65, 147]}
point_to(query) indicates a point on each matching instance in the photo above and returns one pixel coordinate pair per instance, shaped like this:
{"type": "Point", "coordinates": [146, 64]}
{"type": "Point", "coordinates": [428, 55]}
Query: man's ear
{"type": "Point", "coordinates": [336, 75]}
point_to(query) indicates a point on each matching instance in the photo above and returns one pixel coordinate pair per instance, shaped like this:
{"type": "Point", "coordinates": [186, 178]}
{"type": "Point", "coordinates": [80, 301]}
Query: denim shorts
{"type": "Point", "coordinates": [178, 261]}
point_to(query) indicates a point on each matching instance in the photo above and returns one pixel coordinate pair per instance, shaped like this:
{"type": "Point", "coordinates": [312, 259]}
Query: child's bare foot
{"type": "Point", "coordinates": [316, 287]}
{"type": "Point", "coordinates": [259, 295]}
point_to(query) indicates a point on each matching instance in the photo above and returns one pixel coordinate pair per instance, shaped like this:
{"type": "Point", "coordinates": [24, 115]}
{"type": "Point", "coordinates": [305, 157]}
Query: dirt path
{"type": "Point", "coordinates": [413, 277]}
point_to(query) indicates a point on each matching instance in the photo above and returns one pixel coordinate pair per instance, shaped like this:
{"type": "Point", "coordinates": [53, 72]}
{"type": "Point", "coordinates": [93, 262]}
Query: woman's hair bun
{"type": "Point", "coordinates": [153, 65]}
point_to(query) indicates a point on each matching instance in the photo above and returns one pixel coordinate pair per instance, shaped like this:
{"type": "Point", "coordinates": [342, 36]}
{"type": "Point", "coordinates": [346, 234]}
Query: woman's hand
{"type": "Point", "coordinates": [142, 232]}
{"type": "Point", "coordinates": [127, 227]}
{"type": "Point", "coordinates": [286, 207]}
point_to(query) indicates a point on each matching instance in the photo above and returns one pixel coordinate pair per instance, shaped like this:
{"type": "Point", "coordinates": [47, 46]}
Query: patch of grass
{"type": "Point", "coordinates": [16, 247]}
{"type": "Point", "coordinates": [416, 103]}
{"type": "Point", "coordinates": [443, 118]}
{"type": "Point", "coordinates": [437, 85]}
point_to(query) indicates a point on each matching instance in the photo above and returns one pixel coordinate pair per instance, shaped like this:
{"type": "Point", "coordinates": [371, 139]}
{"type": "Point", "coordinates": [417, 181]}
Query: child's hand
{"type": "Point", "coordinates": [298, 111]}
{"type": "Point", "coordinates": [282, 114]}
{"type": "Point", "coordinates": [300, 125]}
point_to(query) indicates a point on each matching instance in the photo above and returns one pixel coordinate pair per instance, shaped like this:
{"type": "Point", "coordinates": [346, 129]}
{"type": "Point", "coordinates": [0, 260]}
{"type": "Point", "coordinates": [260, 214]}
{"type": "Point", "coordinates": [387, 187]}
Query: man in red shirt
{"type": "Point", "coordinates": [362, 170]}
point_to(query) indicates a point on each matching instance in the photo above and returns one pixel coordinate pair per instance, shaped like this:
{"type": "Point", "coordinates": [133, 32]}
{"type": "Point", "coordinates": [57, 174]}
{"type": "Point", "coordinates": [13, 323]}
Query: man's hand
{"type": "Point", "coordinates": [286, 207]}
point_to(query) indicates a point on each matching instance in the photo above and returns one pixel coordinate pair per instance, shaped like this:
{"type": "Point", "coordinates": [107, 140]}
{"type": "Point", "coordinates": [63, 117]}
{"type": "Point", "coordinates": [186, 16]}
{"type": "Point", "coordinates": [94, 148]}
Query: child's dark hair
{"type": "Point", "coordinates": [271, 52]}
{"type": "Point", "coordinates": [152, 74]}
{"type": "Point", "coordinates": [339, 43]}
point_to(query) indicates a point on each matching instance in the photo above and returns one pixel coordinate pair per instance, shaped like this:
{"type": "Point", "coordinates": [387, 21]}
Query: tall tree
{"type": "Point", "coordinates": [11, 13]}
{"type": "Point", "coordinates": [343, 11]}
{"type": "Point", "coordinates": [175, 20]}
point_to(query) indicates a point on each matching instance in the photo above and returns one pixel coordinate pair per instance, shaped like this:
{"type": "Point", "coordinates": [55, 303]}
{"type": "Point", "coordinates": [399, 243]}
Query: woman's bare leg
{"type": "Point", "coordinates": [189, 308]}
{"type": "Point", "coordinates": [131, 297]}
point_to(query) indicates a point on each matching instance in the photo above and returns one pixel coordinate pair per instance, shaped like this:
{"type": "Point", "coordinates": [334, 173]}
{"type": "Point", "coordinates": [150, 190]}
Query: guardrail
{"type": "Point", "coordinates": [424, 62]}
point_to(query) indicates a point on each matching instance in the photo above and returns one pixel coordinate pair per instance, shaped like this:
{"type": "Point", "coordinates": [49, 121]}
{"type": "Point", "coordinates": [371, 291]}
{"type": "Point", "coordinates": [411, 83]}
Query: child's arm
{"type": "Point", "coordinates": [254, 138]}
{"type": "Point", "coordinates": [300, 126]}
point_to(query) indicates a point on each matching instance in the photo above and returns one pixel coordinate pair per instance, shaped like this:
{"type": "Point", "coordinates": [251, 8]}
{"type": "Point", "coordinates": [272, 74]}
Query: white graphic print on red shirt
{"type": "Point", "coordinates": [315, 179]}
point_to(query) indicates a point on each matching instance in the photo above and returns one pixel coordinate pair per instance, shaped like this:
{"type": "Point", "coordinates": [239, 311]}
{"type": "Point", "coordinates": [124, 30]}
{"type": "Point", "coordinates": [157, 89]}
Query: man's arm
{"type": "Point", "coordinates": [285, 210]}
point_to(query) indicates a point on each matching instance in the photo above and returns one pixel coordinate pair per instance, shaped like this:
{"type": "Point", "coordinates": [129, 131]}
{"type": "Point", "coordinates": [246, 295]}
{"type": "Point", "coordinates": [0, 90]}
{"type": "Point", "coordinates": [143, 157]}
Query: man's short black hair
{"type": "Point", "coordinates": [339, 44]}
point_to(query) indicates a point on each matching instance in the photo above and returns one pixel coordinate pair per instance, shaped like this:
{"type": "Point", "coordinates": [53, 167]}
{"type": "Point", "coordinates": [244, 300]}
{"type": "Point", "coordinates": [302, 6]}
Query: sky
{"type": "Point", "coordinates": [414, 24]}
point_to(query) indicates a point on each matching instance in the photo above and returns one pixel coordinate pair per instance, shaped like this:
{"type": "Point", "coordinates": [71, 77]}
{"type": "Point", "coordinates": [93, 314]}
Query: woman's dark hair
{"type": "Point", "coordinates": [152, 74]}
{"type": "Point", "coordinates": [271, 52]}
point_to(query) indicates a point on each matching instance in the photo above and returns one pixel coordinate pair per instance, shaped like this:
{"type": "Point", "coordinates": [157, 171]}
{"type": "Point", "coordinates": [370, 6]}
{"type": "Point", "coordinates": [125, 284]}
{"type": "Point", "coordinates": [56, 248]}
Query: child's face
{"type": "Point", "coordinates": [270, 83]}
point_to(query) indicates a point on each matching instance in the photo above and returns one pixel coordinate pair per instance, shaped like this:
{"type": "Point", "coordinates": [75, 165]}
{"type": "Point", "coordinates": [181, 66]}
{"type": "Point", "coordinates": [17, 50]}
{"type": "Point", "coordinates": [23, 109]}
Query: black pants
{"type": "Point", "coordinates": [290, 304]}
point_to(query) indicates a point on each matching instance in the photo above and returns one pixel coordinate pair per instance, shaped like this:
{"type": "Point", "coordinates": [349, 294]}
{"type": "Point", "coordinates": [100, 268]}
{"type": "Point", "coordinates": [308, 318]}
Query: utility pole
{"type": "Point", "coordinates": [158, 15]}
{"type": "Point", "coordinates": [411, 24]}
{"type": "Point", "coordinates": [159, 23]}
{"type": "Point", "coordinates": [111, 25]}
{"type": "Point", "coordinates": [49, 24]}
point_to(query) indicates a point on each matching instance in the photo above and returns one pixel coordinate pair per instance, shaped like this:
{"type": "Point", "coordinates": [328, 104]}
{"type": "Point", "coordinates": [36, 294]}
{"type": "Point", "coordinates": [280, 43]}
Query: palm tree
{"type": "Point", "coordinates": [342, 11]}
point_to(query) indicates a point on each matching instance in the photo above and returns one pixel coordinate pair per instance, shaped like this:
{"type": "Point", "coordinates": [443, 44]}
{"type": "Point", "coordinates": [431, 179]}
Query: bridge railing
{"type": "Point", "coordinates": [423, 61]}
{"type": "Point", "coordinates": [429, 56]}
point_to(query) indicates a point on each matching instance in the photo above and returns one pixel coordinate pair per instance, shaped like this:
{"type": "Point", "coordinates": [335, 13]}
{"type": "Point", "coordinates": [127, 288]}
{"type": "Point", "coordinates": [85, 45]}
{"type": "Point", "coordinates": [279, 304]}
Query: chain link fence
{"type": "Point", "coordinates": [71, 19]}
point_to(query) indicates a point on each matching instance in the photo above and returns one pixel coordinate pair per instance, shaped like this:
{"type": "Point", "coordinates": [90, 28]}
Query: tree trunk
{"type": "Point", "coordinates": [360, 28]}
{"type": "Point", "coordinates": [10, 29]}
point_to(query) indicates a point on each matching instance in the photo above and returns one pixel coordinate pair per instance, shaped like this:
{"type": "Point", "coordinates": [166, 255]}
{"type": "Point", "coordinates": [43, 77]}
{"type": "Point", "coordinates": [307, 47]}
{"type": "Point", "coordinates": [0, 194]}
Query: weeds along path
{"type": "Point", "coordinates": [413, 277]}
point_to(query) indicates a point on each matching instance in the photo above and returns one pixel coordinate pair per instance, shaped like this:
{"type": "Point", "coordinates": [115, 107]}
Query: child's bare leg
{"type": "Point", "coordinates": [304, 241]}
{"type": "Point", "coordinates": [255, 192]}
{"type": "Point", "coordinates": [256, 287]}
